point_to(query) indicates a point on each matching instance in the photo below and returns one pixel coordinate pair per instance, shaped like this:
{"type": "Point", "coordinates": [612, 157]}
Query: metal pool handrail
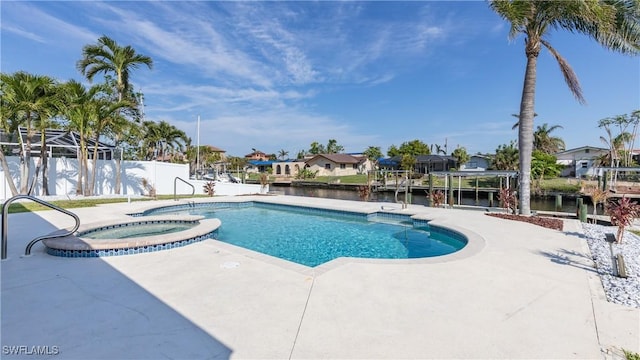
{"type": "Point", "coordinates": [5, 223]}
{"type": "Point", "coordinates": [175, 183]}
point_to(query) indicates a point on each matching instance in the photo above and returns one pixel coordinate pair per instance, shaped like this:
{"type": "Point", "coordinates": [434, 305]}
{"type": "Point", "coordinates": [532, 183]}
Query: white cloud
{"type": "Point", "coordinates": [45, 28]}
{"type": "Point", "coordinates": [25, 34]}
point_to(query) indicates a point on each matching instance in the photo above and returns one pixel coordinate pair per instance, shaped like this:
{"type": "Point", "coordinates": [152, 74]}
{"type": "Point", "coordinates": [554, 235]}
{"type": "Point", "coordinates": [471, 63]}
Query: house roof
{"type": "Point", "coordinates": [434, 158]}
{"type": "Point", "coordinates": [339, 158]}
{"type": "Point", "coordinates": [419, 159]}
{"type": "Point", "coordinates": [257, 153]}
{"type": "Point", "coordinates": [62, 142]}
{"type": "Point", "coordinates": [581, 148]}
{"type": "Point", "coordinates": [261, 162]}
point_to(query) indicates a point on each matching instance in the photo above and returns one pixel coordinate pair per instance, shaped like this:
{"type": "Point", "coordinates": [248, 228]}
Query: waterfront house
{"type": "Point", "coordinates": [424, 163]}
{"type": "Point", "coordinates": [476, 163]}
{"type": "Point", "coordinates": [580, 162]}
{"type": "Point", "coordinates": [338, 164]}
{"type": "Point", "coordinates": [287, 168]}
{"type": "Point", "coordinates": [257, 155]}
{"type": "Point", "coordinates": [258, 166]}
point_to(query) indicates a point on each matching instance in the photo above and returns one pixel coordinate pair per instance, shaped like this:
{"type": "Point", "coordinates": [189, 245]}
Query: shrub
{"type": "Point", "coordinates": [437, 198]}
{"type": "Point", "coordinates": [622, 213]}
{"type": "Point", "coordinates": [264, 180]}
{"type": "Point", "coordinates": [209, 188]}
{"type": "Point", "coordinates": [630, 355]}
{"type": "Point", "coordinates": [508, 200]}
{"type": "Point", "coordinates": [306, 173]}
{"type": "Point", "coordinates": [363, 192]}
{"type": "Point", "coordinates": [598, 196]}
{"type": "Point", "coordinates": [148, 187]}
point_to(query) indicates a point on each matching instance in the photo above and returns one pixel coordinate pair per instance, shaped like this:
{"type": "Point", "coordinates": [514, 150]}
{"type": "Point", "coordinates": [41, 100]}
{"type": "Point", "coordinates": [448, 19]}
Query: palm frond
{"type": "Point", "coordinates": [570, 76]}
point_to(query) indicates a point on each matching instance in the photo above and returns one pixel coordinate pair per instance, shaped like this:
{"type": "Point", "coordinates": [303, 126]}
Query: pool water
{"type": "Point", "coordinates": [136, 230]}
{"type": "Point", "coordinates": [311, 240]}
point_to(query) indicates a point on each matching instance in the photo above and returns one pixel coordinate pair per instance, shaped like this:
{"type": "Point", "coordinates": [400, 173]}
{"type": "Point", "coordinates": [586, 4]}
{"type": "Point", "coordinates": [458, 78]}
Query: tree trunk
{"type": "Point", "coordinates": [525, 129]}
{"type": "Point", "coordinates": [85, 159]}
{"type": "Point", "coordinates": [7, 174]}
{"type": "Point", "coordinates": [79, 155]}
{"type": "Point", "coordinates": [95, 165]}
{"type": "Point", "coordinates": [44, 158]}
{"type": "Point", "coordinates": [118, 165]}
{"type": "Point", "coordinates": [26, 162]}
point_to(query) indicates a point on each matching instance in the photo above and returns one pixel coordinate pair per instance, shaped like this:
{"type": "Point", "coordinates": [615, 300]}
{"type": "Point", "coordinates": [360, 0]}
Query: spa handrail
{"type": "Point", "coordinates": [5, 223]}
{"type": "Point", "coordinates": [175, 183]}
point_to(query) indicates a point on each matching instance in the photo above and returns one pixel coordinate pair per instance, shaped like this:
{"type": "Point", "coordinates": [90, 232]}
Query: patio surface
{"type": "Point", "coordinates": [524, 292]}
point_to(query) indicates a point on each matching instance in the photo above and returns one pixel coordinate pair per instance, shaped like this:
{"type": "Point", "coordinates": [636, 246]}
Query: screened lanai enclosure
{"type": "Point", "coordinates": [59, 143]}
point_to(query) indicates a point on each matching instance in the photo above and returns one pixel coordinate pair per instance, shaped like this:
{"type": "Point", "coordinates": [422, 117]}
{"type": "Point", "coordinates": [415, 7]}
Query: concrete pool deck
{"type": "Point", "coordinates": [528, 292]}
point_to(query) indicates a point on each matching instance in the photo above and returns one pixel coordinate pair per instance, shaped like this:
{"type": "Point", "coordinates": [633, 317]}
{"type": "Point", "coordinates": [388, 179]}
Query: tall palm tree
{"type": "Point", "coordinates": [105, 115]}
{"type": "Point", "coordinates": [544, 142]}
{"type": "Point", "coordinates": [612, 23]}
{"type": "Point", "coordinates": [79, 111]}
{"type": "Point", "coordinates": [107, 57]}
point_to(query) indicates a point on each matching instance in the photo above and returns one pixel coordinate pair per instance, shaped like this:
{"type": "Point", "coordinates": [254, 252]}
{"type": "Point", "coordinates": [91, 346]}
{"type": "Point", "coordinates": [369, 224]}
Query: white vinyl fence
{"type": "Point", "coordinates": [63, 178]}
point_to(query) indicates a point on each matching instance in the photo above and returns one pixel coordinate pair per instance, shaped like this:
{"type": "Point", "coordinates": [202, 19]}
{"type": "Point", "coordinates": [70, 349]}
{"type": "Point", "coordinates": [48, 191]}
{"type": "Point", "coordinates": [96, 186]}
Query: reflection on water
{"type": "Point", "coordinates": [568, 205]}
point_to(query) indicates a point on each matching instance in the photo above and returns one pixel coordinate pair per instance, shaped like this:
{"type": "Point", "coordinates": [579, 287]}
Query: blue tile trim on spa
{"type": "Point", "coordinates": [131, 250]}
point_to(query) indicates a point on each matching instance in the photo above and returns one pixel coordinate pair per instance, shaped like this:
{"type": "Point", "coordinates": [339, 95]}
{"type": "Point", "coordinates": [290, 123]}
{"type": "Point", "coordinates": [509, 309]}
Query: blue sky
{"type": "Point", "coordinates": [280, 75]}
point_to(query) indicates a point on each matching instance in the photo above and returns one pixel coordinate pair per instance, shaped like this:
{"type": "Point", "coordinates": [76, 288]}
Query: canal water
{"type": "Point", "coordinates": [545, 204]}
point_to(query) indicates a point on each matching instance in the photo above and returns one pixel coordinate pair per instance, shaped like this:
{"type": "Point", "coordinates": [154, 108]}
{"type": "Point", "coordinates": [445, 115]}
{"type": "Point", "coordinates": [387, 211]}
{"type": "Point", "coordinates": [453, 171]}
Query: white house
{"type": "Point", "coordinates": [580, 162]}
{"type": "Point", "coordinates": [476, 163]}
{"type": "Point", "coordinates": [338, 164]}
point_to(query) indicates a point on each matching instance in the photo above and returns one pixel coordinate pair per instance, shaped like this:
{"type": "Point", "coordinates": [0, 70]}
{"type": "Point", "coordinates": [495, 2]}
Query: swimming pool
{"type": "Point", "coordinates": [312, 237]}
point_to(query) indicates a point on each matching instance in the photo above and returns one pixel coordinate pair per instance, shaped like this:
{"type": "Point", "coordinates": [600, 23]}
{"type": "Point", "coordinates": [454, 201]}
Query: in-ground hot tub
{"type": "Point", "coordinates": [133, 236]}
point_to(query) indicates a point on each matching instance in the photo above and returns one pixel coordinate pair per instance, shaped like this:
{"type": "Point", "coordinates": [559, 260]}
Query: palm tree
{"type": "Point", "coordinates": [282, 154]}
{"type": "Point", "coordinates": [506, 157]}
{"type": "Point", "coordinates": [542, 141]}
{"type": "Point", "coordinates": [105, 115]}
{"type": "Point", "coordinates": [613, 24]}
{"type": "Point", "coordinates": [47, 122]}
{"type": "Point", "coordinates": [27, 98]}
{"type": "Point", "coordinates": [108, 57]}
{"type": "Point", "coordinates": [171, 138]}
{"type": "Point", "coordinates": [79, 111]}
{"type": "Point", "coordinates": [10, 123]}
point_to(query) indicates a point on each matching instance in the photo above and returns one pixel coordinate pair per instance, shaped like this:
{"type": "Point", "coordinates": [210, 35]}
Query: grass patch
{"type": "Point", "coordinates": [30, 206]}
{"type": "Point", "coordinates": [562, 185]}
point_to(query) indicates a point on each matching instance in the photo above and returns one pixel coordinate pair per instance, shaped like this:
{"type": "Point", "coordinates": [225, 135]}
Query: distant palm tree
{"type": "Point", "coordinates": [282, 154]}
{"type": "Point", "coordinates": [506, 157]}
{"type": "Point", "coordinates": [108, 57]}
{"type": "Point", "coordinates": [545, 143]}
{"type": "Point", "coordinates": [172, 139]}
{"type": "Point", "coordinates": [613, 24]}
